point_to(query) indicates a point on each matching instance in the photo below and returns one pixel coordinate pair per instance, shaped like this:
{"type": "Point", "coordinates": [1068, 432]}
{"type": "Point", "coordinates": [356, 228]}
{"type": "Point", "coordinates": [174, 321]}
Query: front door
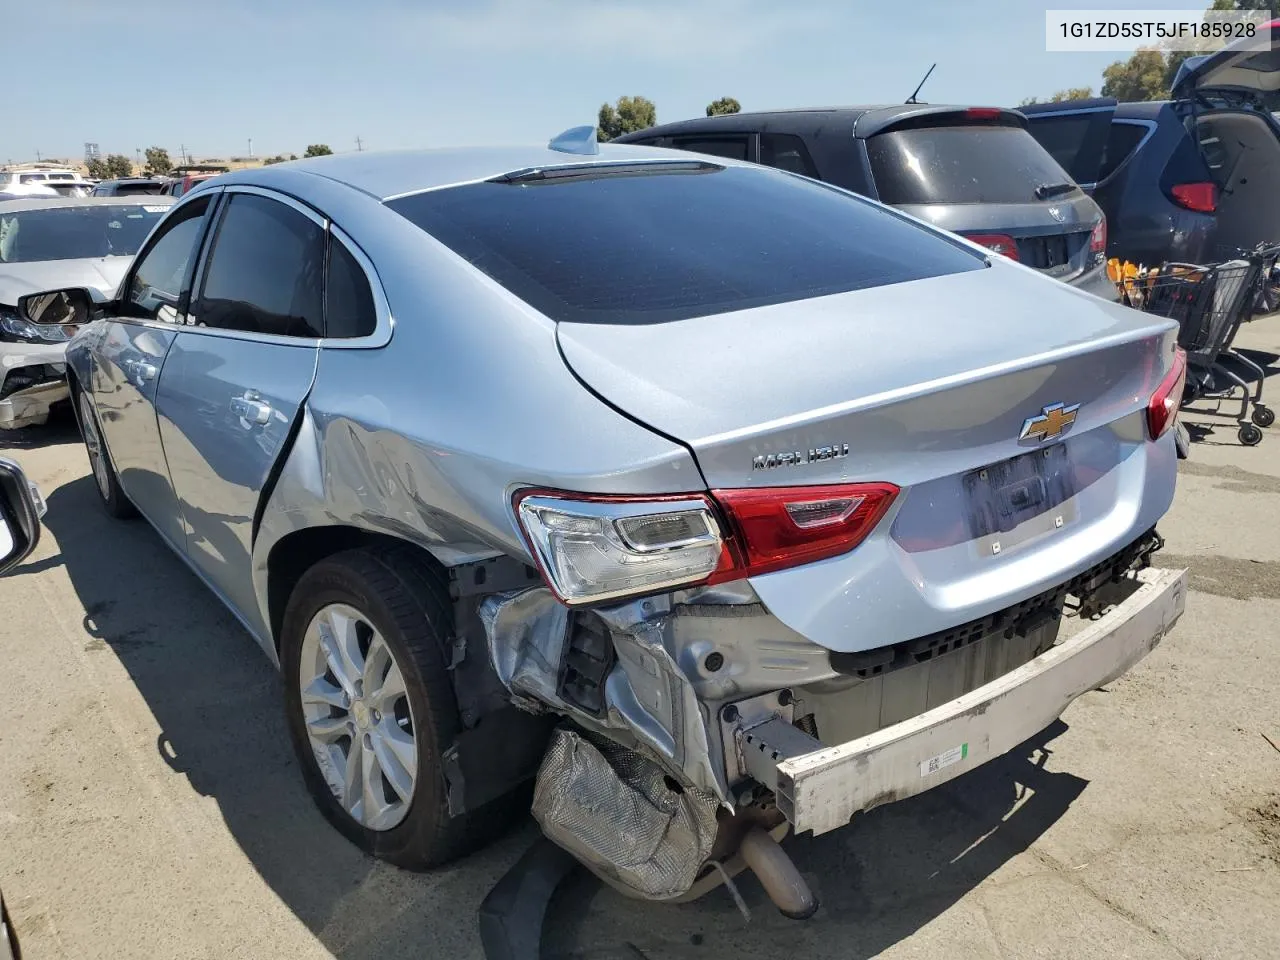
{"type": "Point", "coordinates": [131, 351]}
{"type": "Point", "coordinates": [236, 378]}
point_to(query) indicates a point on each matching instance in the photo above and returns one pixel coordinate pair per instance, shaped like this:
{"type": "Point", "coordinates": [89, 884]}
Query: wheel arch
{"type": "Point", "coordinates": [297, 552]}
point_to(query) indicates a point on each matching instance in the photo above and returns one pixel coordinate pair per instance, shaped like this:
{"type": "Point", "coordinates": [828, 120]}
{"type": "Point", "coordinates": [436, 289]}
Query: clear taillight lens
{"type": "Point", "coordinates": [591, 550]}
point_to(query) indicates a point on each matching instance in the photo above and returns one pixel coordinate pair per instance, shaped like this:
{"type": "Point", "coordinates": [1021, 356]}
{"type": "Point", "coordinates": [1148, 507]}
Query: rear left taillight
{"type": "Point", "coordinates": [1000, 243]}
{"type": "Point", "coordinates": [592, 549]}
{"type": "Point", "coordinates": [1162, 410]}
{"type": "Point", "coordinates": [1098, 239]}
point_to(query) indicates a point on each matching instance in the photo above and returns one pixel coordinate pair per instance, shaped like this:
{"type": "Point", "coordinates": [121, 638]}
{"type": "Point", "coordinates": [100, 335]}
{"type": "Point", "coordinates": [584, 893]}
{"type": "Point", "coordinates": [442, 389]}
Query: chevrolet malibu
{"type": "Point", "coordinates": [685, 501]}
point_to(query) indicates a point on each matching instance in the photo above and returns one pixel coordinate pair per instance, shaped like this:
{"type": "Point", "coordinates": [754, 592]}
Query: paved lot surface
{"type": "Point", "coordinates": [150, 806]}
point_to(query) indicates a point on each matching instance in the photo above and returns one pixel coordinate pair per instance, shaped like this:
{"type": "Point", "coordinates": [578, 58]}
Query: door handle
{"type": "Point", "coordinates": [139, 371]}
{"type": "Point", "coordinates": [251, 409]}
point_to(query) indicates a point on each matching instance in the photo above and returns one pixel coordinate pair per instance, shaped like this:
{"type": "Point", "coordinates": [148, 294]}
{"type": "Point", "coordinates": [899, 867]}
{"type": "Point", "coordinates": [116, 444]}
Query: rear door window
{"type": "Point", "coordinates": [731, 148]}
{"type": "Point", "coordinates": [266, 271]}
{"type": "Point", "coordinates": [1122, 140]}
{"type": "Point", "coordinates": [786, 152]}
{"type": "Point", "coordinates": [962, 164]}
{"type": "Point", "coordinates": [694, 239]}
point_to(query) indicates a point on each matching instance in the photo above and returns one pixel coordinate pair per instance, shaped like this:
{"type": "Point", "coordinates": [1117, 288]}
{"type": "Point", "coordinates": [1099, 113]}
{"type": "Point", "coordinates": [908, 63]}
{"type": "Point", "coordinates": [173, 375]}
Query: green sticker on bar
{"type": "Point", "coordinates": [943, 760]}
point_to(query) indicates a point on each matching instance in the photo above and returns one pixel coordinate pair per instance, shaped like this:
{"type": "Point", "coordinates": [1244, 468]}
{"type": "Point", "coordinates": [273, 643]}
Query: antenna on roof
{"type": "Point", "coordinates": [912, 98]}
{"type": "Point", "coordinates": [580, 140]}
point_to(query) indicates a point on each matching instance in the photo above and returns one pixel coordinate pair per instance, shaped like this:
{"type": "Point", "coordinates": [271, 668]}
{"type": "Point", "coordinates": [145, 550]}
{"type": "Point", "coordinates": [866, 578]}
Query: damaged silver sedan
{"type": "Point", "coordinates": [708, 501]}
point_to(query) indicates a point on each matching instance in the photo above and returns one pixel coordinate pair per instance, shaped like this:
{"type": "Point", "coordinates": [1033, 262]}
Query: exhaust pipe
{"type": "Point", "coordinates": [778, 875]}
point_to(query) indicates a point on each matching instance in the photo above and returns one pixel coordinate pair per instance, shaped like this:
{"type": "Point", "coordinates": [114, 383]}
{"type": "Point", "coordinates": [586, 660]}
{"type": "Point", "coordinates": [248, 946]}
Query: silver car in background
{"type": "Point", "coordinates": [714, 500]}
{"type": "Point", "coordinates": [51, 242]}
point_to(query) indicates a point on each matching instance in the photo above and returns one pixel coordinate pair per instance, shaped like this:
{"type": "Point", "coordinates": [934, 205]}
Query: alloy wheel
{"type": "Point", "coordinates": [358, 717]}
{"type": "Point", "coordinates": [93, 446]}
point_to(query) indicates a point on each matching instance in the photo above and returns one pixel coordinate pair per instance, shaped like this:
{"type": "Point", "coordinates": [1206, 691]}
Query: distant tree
{"type": "Point", "coordinates": [1141, 77]}
{"type": "Point", "coordinates": [293, 156]}
{"type": "Point", "coordinates": [117, 165]}
{"type": "Point", "coordinates": [97, 168]}
{"type": "Point", "coordinates": [158, 162]}
{"type": "Point", "coordinates": [1150, 72]}
{"type": "Point", "coordinates": [630, 114]}
{"type": "Point", "coordinates": [279, 158]}
{"type": "Point", "coordinates": [1071, 93]}
{"type": "Point", "coordinates": [722, 106]}
{"type": "Point", "coordinates": [318, 150]}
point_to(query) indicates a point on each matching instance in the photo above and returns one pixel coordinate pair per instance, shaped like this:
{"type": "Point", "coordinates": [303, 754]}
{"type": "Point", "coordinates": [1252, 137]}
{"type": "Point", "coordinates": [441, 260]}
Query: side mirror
{"type": "Point", "coordinates": [21, 507]}
{"type": "Point", "coordinates": [73, 306]}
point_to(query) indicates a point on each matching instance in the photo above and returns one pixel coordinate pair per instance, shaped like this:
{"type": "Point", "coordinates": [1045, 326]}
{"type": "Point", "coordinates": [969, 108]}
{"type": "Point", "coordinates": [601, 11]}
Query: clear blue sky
{"type": "Point", "coordinates": [400, 73]}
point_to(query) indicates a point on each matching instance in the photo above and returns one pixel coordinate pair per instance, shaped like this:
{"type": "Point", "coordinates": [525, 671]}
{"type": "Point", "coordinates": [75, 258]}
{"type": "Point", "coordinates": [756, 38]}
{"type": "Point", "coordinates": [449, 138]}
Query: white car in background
{"type": "Point", "coordinates": [14, 178]}
{"type": "Point", "coordinates": [49, 242]}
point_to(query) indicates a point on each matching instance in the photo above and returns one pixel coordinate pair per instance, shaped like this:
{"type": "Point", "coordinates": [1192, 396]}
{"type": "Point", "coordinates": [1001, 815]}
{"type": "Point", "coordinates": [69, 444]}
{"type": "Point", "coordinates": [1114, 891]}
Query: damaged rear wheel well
{"type": "Point", "coordinates": [298, 552]}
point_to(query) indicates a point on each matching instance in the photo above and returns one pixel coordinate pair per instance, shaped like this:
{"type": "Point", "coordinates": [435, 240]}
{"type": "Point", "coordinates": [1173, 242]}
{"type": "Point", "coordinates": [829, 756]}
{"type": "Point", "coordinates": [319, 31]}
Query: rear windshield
{"type": "Point", "coordinates": [129, 189]}
{"type": "Point", "coordinates": [969, 164]}
{"type": "Point", "coordinates": [657, 247]}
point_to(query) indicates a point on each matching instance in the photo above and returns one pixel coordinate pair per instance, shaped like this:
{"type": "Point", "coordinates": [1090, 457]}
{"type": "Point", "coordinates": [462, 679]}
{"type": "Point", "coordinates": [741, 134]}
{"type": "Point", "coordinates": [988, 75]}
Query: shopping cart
{"type": "Point", "coordinates": [1210, 303]}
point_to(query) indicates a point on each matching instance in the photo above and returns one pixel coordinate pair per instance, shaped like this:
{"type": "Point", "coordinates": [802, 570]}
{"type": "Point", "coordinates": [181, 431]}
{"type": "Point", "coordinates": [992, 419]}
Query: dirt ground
{"type": "Point", "coordinates": [150, 806]}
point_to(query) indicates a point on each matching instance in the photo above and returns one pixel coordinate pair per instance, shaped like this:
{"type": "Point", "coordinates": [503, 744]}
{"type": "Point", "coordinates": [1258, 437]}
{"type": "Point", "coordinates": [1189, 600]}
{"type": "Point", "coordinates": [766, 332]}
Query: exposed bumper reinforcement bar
{"type": "Point", "coordinates": [820, 789]}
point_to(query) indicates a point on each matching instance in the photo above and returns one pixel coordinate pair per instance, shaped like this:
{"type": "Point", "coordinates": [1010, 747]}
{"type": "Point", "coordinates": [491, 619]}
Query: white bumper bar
{"type": "Point", "coordinates": [822, 790]}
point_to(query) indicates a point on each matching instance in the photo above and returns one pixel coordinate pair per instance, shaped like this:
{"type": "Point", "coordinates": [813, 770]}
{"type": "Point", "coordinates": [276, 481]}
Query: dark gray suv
{"type": "Point", "coordinates": [975, 171]}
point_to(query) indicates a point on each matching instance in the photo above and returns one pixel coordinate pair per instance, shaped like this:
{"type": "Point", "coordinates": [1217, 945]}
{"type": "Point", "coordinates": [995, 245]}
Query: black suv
{"type": "Point", "coordinates": [1192, 179]}
{"type": "Point", "coordinates": [975, 171]}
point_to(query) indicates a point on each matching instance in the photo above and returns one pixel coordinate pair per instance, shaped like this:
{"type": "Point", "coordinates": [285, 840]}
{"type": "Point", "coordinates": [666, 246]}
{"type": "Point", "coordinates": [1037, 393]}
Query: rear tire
{"type": "Point", "coordinates": [406, 612]}
{"type": "Point", "coordinates": [102, 470]}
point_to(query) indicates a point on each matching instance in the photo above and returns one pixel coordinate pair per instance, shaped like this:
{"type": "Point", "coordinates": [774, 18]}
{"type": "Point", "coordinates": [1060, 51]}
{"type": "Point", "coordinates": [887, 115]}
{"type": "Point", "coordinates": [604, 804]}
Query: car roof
{"type": "Point", "coordinates": [129, 180]}
{"type": "Point", "coordinates": [387, 174]}
{"type": "Point", "coordinates": [44, 203]}
{"type": "Point", "coordinates": [867, 119]}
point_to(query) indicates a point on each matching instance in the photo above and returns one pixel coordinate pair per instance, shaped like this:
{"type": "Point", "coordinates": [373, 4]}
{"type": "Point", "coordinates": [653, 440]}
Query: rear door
{"type": "Point", "coordinates": [133, 346]}
{"type": "Point", "coordinates": [237, 375]}
{"type": "Point", "coordinates": [1075, 133]}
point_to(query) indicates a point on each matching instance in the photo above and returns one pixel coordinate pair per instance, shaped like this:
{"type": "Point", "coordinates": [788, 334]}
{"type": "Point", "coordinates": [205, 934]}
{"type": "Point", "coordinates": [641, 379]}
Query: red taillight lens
{"type": "Point", "coordinates": [778, 527]}
{"type": "Point", "coordinates": [1162, 411]}
{"type": "Point", "coordinates": [982, 113]}
{"type": "Point", "coordinates": [1201, 197]}
{"type": "Point", "coordinates": [1000, 243]}
{"type": "Point", "coordinates": [1098, 239]}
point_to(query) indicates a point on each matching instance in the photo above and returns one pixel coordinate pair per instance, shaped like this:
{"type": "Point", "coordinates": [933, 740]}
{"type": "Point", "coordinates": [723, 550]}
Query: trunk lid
{"type": "Point", "coordinates": [1051, 236]}
{"type": "Point", "coordinates": [924, 385]}
{"type": "Point", "coordinates": [1238, 68]}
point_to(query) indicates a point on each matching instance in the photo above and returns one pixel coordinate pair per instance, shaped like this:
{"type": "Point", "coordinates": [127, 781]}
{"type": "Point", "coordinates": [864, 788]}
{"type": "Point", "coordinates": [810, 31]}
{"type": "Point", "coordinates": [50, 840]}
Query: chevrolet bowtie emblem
{"type": "Point", "coordinates": [1055, 419]}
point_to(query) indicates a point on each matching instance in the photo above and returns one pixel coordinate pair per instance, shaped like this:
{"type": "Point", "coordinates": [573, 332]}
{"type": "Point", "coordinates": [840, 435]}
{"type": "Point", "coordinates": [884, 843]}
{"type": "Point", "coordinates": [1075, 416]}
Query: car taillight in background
{"type": "Point", "coordinates": [1201, 197]}
{"type": "Point", "coordinates": [1162, 410]}
{"type": "Point", "coordinates": [596, 548]}
{"type": "Point", "coordinates": [1000, 243]}
{"type": "Point", "coordinates": [1098, 239]}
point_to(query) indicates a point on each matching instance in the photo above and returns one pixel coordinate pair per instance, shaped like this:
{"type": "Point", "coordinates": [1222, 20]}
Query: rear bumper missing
{"type": "Point", "coordinates": [820, 790]}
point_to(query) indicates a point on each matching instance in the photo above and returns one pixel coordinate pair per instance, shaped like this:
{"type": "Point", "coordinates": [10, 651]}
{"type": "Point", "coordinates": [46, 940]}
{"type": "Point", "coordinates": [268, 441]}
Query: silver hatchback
{"type": "Point", "coordinates": [714, 500]}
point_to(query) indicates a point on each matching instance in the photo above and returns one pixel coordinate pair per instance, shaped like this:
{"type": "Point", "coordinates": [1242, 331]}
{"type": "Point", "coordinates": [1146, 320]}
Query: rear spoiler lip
{"type": "Point", "coordinates": [883, 120]}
